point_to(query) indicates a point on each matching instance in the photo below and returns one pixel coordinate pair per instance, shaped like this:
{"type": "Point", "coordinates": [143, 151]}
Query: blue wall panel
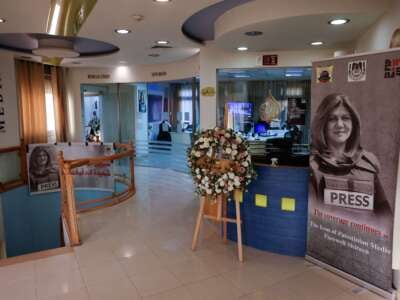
{"type": "Point", "coordinates": [270, 228]}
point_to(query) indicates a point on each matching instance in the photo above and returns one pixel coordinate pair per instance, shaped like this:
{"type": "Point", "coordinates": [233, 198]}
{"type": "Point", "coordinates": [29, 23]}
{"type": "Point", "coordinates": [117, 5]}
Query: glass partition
{"type": "Point", "coordinates": [270, 107]}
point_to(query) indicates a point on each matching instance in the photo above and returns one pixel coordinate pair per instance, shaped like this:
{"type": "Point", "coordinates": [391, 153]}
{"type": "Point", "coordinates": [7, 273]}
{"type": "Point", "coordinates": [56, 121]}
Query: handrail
{"type": "Point", "coordinates": [9, 185]}
{"type": "Point", "coordinates": [70, 208]}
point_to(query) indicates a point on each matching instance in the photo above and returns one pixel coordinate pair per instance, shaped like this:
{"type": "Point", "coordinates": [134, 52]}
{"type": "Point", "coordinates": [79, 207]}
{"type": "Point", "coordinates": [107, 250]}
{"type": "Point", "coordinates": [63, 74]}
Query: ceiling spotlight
{"type": "Point", "coordinates": [154, 55]}
{"type": "Point", "coordinates": [122, 31]}
{"type": "Point", "coordinates": [162, 1]}
{"type": "Point", "coordinates": [253, 33]}
{"type": "Point", "coordinates": [242, 48]}
{"type": "Point", "coordinates": [339, 21]}
{"type": "Point", "coordinates": [162, 42]}
{"type": "Point", "coordinates": [2, 20]}
{"type": "Point", "coordinates": [318, 43]}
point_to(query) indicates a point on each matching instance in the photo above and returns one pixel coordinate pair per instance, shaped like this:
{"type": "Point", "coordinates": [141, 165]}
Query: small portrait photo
{"type": "Point", "coordinates": [43, 169]}
{"type": "Point", "coordinates": [344, 175]}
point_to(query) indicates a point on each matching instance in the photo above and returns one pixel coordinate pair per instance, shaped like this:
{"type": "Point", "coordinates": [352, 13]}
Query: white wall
{"type": "Point", "coordinates": [8, 91]}
{"type": "Point", "coordinates": [378, 36]}
{"type": "Point", "coordinates": [213, 58]}
{"type": "Point", "coordinates": [120, 74]}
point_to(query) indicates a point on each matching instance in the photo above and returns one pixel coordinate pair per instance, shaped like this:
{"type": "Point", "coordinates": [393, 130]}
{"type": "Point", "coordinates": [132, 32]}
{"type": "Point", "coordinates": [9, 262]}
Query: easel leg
{"type": "Point", "coordinates": [225, 214]}
{"type": "Point", "coordinates": [239, 230]}
{"type": "Point", "coordinates": [198, 223]}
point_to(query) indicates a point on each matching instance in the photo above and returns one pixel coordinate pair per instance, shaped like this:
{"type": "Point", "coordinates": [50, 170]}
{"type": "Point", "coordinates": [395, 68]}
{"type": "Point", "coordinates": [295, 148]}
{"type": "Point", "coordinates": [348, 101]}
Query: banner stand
{"type": "Point", "coordinates": [373, 288]}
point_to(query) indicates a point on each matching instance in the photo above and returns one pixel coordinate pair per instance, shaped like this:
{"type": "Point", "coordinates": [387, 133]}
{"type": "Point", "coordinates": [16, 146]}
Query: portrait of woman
{"type": "Point", "coordinates": [43, 174]}
{"type": "Point", "coordinates": [343, 174]}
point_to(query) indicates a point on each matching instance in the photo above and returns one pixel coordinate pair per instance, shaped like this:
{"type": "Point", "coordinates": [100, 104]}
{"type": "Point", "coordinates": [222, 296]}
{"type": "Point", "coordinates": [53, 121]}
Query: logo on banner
{"type": "Point", "coordinates": [324, 74]}
{"type": "Point", "coordinates": [392, 68]}
{"type": "Point", "coordinates": [357, 71]}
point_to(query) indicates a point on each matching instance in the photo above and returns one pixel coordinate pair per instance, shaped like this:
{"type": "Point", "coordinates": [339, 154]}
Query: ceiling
{"type": "Point", "coordinates": [283, 26]}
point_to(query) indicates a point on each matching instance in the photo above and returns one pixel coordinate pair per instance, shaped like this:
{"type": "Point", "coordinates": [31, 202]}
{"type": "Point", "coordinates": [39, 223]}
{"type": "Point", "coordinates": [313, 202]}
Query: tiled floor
{"type": "Point", "coordinates": [140, 249]}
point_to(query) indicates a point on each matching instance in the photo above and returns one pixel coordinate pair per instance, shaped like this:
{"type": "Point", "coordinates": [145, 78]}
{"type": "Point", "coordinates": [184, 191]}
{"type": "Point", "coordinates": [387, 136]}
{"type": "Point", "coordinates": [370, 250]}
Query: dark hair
{"type": "Point", "coordinates": [328, 104]}
{"type": "Point", "coordinates": [33, 165]}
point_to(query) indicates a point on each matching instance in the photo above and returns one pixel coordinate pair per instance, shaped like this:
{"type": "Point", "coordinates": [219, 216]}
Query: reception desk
{"type": "Point", "coordinates": [274, 210]}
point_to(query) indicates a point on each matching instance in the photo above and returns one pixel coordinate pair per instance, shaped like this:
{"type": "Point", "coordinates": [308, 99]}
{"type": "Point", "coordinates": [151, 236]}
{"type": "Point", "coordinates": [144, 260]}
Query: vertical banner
{"type": "Point", "coordinates": [354, 157]}
{"type": "Point", "coordinates": [44, 169]}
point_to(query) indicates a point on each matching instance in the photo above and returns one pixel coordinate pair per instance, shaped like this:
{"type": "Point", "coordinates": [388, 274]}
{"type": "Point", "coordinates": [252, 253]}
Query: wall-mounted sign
{"type": "Point", "coordinates": [2, 109]}
{"type": "Point", "coordinates": [159, 74]}
{"type": "Point", "coordinates": [270, 60]}
{"type": "Point", "coordinates": [98, 76]}
{"type": "Point", "coordinates": [208, 91]}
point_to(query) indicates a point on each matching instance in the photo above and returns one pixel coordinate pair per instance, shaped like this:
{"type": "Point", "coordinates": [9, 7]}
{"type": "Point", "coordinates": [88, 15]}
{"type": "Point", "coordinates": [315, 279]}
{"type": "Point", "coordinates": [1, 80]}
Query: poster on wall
{"type": "Point", "coordinates": [44, 169]}
{"type": "Point", "coordinates": [353, 176]}
{"type": "Point", "coordinates": [296, 113]}
{"type": "Point", "coordinates": [141, 101]}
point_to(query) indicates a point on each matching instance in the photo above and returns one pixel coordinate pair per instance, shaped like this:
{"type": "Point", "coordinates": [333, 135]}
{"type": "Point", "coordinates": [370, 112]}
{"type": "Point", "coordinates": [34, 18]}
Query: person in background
{"type": "Point", "coordinates": [164, 131]}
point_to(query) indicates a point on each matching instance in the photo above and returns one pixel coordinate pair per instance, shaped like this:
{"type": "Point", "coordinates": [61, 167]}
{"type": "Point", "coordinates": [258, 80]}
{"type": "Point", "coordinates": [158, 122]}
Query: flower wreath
{"type": "Point", "coordinates": [220, 162]}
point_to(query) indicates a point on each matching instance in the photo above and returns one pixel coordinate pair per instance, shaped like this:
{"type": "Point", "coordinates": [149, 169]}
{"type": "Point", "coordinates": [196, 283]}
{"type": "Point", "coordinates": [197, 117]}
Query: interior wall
{"type": "Point", "coordinates": [121, 74]}
{"type": "Point", "coordinates": [213, 58]}
{"type": "Point", "coordinates": [8, 101]}
{"type": "Point", "coordinates": [378, 36]}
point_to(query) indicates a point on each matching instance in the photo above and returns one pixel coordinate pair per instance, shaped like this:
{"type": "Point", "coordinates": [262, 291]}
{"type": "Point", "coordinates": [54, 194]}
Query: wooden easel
{"type": "Point", "coordinates": [220, 216]}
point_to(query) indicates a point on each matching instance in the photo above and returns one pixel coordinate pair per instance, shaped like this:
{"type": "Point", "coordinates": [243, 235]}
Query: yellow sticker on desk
{"type": "Point", "coordinates": [261, 200]}
{"type": "Point", "coordinates": [288, 204]}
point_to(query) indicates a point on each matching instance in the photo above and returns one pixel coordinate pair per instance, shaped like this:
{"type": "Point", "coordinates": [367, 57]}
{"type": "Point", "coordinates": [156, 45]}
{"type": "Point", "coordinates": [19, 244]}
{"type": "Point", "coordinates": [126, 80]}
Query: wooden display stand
{"type": "Point", "coordinates": [217, 211]}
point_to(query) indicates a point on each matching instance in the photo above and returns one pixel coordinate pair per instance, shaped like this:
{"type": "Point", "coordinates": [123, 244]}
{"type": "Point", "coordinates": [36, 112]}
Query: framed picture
{"type": "Point", "coordinates": [142, 107]}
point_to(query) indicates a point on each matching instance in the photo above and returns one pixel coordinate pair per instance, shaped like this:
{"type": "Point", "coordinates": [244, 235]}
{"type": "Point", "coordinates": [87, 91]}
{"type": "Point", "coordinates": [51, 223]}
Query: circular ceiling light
{"type": "Point", "coordinates": [317, 43]}
{"type": "Point", "coordinates": [49, 47]}
{"type": "Point", "coordinates": [162, 1]}
{"type": "Point", "coordinates": [122, 31]}
{"type": "Point", "coordinates": [2, 20]}
{"type": "Point", "coordinates": [162, 42]}
{"type": "Point", "coordinates": [242, 48]}
{"type": "Point", "coordinates": [253, 33]}
{"type": "Point", "coordinates": [339, 21]}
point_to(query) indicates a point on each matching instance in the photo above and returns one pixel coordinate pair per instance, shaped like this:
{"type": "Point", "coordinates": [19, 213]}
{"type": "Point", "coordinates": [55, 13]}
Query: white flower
{"type": "Point", "coordinates": [234, 146]}
{"type": "Point", "coordinates": [225, 177]}
{"type": "Point", "coordinates": [209, 191]}
{"type": "Point", "coordinates": [201, 139]}
{"type": "Point", "coordinates": [197, 171]}
{"type": "Point", "coordinates": [206, 145]}
{"type": "Point", "coordinates": [197, 154]}
{"type": "Point", "coordinates": [198, 176]}
{"type": "Point", "coordinates": [234, 152]}
{"type": "Point", "coordinates": [237, 183]}
{"type": "Point", "coordinates": [228, 150]}
{"type": "Point", "coordinates": [217, 190]}
{"type": "Point", "coordinates": [221, 183]}
{"type": "Point", "coordinates": [206, 178]}
{"type": "Point", "coordinates": [245, 164]}
{"type": "Point", "coordinates": [230, 188]}
{"type": "Point", "coordinates": [227, 135]}
{"type": "Point", "coordinates": [238, 140]}
{"type": "Point", "coordinates": [231, 175]}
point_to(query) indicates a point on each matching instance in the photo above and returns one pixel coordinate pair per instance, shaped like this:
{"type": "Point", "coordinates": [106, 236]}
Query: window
{"type": "Point", "coordinates": [50, 114]}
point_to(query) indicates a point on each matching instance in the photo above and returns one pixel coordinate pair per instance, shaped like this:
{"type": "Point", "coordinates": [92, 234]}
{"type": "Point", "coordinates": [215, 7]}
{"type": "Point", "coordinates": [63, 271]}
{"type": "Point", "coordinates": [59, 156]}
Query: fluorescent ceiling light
{"type": "Point", "coordinates": [242, 48]}
{"type": "Point", "coordinates": [54, 19]}
{"type": "Point", "coordinates": [241, 76]}
{"type": "Point", "coordinates": [318, 43]}
{"type": "Point", "coordinates": [162, 42]}
{"type": "Point", "coordinates": [339, 21]}
{"type": "Point", "coordinates": [122, 31]}
{"type": "Point", "coordinates": [2, 20]}
{"type": "Point", "coordinates": [293, 74]}
{"type": "Point", "coordinates": [162, 1]}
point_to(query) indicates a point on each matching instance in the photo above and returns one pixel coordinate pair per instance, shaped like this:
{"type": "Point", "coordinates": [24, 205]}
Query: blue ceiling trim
{"type": "Point", "coordinates": [200, 26]}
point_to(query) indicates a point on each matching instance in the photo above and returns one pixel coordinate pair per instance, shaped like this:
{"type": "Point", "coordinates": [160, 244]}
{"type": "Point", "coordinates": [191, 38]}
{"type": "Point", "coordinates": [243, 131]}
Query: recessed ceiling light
{"type": "Point", "coordinates": [162, 42]}
{"type": "Point", "coordinates": [162, 1]}
{"type": "Point", "coordinates": [242, 48]}
{"type": "Point", "coordinates": [122, 31]}
{"type": "Point", "coordinates": [154, 55]}
{"type": "Point", "coordinates": [339, 21]}
{"type": "Point", "coordinates": [317, 43]}
{"type": "Point", "coordinates": [2, 20]}
{"type": "Point", "coordinates": [253, 33]}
